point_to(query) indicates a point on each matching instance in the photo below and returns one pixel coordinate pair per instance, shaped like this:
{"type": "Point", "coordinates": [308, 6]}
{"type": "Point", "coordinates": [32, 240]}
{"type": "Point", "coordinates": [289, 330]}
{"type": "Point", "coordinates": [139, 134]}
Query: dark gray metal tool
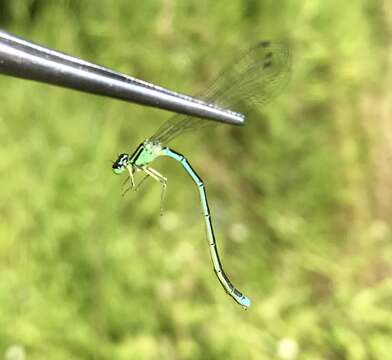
{"type": "Point", "coordinates": [23, 59]}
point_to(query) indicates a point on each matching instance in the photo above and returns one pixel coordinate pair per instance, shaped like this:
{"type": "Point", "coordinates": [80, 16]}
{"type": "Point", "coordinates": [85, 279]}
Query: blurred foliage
{"type": "Point", "coordinates": [301, 196]}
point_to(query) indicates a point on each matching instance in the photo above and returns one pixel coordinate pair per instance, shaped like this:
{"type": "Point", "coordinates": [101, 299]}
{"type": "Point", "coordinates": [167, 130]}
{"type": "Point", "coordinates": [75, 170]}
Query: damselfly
{"type": "Point", "coordinates": [255, 78]}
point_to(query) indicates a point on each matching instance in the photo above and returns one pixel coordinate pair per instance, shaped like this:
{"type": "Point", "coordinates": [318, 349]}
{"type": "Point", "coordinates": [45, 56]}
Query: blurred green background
{"type": "Point", "coordinates": [301, 197]}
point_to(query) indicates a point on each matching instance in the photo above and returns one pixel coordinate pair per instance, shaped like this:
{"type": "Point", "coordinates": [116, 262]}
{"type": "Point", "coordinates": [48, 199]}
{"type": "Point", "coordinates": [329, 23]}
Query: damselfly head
{"type": "Point", "coordinates": [120, 164]}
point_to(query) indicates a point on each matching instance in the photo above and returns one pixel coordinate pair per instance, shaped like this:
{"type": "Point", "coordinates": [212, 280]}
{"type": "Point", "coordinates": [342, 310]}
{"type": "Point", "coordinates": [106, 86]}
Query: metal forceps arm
{"type": "Point", "coordinates": [23, 59]}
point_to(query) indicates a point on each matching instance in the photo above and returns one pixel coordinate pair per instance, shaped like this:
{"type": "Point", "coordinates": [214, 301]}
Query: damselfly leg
{"type": "Point", "coordinates": [132, 184]}
{"type": "Point", "coordinates": [159, 177]}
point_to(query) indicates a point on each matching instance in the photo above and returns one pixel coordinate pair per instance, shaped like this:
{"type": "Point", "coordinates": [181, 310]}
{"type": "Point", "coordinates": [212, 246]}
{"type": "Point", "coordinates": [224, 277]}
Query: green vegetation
{"type": "Point", "coordinates": [302, 219]}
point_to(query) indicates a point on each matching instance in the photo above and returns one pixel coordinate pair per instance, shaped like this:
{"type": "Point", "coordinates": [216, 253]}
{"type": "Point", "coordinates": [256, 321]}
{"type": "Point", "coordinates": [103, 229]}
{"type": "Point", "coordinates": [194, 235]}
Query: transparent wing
{"type": "Point", "coordinates": [256, 77]}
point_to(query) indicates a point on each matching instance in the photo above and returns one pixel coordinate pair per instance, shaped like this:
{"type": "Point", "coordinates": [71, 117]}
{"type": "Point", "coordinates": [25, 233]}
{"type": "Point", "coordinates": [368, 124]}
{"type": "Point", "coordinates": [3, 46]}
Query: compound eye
{"type": "Point", "coordinates": [120, 164]}
{"type": "Point", "coordinates": [118, 169]}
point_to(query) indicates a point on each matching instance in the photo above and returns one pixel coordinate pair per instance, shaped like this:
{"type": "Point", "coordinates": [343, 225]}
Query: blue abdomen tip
{"type": "Point", "coordinates": [245, 302]}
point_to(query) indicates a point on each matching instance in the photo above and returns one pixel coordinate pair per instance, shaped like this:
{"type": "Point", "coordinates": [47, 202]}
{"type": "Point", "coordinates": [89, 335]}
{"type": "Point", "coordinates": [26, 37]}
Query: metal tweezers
{"type": "Point", "coordinates": [23, 59]}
